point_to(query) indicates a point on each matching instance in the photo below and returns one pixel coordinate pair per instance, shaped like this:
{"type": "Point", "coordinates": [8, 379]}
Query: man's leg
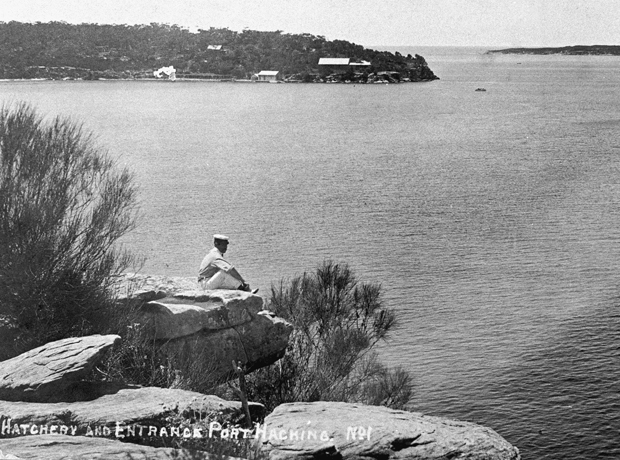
{"type": "Point", "coordinates": [221, 280]}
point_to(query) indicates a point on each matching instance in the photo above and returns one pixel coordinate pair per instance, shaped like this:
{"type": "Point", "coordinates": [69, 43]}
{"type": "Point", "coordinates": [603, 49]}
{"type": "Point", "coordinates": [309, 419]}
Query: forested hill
{"type": "Point", "coordinates": [58, 49]}
{"type": "Point", "coordinates": [605, 50]}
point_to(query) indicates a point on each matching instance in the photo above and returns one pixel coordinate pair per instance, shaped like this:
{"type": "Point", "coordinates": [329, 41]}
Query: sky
{"type": "Point", "coordinates": [497, 23]}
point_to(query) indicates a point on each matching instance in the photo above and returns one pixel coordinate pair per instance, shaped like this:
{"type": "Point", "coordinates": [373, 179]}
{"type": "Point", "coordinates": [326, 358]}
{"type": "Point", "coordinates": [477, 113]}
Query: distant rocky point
{"type": "Point", "coordinates": [578, 50]}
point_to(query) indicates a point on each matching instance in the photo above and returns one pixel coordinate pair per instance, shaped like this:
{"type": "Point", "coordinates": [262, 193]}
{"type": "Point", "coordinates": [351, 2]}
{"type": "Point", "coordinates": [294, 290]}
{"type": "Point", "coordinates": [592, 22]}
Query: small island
{"type": "Point", "coordinates": [62, 51]}
{"type": "Point", "coordinates": [578, 50]}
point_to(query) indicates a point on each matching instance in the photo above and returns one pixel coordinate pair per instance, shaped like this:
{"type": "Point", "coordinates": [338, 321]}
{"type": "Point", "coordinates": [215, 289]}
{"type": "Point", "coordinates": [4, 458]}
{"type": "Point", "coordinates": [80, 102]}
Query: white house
{"type": "Point", "coordinates": [268, 75]}
{"type": "Point", "coordinates": [334, 62]}
{"type": "Point", "coordinates": [339, 65]}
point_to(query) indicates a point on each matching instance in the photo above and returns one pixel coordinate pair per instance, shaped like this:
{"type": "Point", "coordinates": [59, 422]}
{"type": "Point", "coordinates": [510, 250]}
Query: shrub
{"type": "Point", "coordinates": [141, 360]}
{"type": "Point", "coordinates": [63, 206]}
{"type": "Point", "coordinates": [138, 360]}
{"type": "Point", "coordinates": [337, 321]}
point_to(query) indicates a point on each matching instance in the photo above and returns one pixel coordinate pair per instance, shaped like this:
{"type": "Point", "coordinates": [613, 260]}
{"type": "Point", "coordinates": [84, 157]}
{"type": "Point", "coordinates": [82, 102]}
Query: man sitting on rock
{"type": "Point", "coordinates": [216, 272]}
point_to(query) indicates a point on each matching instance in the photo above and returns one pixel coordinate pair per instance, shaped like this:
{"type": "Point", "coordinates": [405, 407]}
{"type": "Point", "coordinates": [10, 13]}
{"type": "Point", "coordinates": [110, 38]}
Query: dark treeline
{"type": "Point", "coordinates": [59, 49]}
{"type": "Point", "coordinates": [604, 50]}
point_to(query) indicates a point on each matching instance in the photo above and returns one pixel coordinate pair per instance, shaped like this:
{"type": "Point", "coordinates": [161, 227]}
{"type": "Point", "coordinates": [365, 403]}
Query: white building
{"type": "Point", "coordinates": [268, 75]}
{"type": "Point", "coordinates": [341, 65]}
{"type": "Point", "coordinates": [334, 62]}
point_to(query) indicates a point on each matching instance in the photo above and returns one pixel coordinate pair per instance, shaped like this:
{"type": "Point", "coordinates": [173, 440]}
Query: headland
{"type": "Point", "coordinates": [578, 50]}
{"type": "Point", "coordinates": [62, 51]}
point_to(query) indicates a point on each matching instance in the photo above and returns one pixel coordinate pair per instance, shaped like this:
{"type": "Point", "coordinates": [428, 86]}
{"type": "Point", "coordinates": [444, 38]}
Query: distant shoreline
{"type": "Point", "coordinates": [17, 80]}
{"type": "Point", "coordinates": [578, 50]}
{"type": "Point", "coordinates": [204, 80]}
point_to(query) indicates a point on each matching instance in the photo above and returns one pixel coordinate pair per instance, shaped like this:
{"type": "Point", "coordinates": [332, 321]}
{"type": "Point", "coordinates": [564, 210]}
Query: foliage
{"type": "Point", "coordinates": [58, 49]}
{"type": "Point", "coordinates": [139, 359]}
{"type": "Point", "coordinates": [337, 321]}
{"type": "Point", "coordinates": [63, 206]}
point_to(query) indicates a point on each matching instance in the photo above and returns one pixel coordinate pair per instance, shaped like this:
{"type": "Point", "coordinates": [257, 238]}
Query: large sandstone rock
{"type": "Point", "coordinates": [49, 372]}
{"type": "Point", "coordinates": [132, 286]}
{"type": "Point", "coordinates": [216, 327]}
{"type": "Point", "coordinates": [185, 313]}
{"type": "Point", "coordinates": [352, 431]}
{"type": "Point", "coordinates": [254, 344]}
{"type": "Point", "coordinates": [264, 340]}
{"type": "Point", "coordinates": [131, 407]}
{"type": "Point", "coordinates": [65, 447]}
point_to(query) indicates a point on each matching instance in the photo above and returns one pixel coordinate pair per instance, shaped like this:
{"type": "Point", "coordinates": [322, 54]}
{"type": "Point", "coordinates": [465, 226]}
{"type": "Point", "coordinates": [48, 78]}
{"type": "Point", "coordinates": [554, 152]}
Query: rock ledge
{"type": "Point", "coordinates": [355, 431]}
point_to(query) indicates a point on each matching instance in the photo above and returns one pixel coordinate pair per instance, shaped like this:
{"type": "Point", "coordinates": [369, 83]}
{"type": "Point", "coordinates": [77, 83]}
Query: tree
{"type": "Point", "coordinates": [337, 321]}
{"type": "Point", "coordinates": [63, 206]}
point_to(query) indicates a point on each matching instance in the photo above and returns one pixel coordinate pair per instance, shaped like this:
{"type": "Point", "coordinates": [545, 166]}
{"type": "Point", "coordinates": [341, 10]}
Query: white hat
{"type": "Point", "coordinates": [217, 236]}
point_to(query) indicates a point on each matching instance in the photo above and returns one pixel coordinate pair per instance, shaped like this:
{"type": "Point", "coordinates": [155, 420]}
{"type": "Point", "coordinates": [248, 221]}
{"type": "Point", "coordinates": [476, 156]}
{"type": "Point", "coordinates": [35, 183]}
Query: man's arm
{"type": "Point", "coordinates": [228, 268]}
{"type": "Point", "coordinates": [235, 274]}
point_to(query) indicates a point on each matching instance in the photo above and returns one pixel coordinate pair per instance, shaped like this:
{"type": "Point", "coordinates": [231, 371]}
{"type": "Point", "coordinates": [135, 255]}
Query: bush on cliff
{"type": "Point", "coordinates": [337, 321]}
{"type": "Point", "coordinates": [63, 206]}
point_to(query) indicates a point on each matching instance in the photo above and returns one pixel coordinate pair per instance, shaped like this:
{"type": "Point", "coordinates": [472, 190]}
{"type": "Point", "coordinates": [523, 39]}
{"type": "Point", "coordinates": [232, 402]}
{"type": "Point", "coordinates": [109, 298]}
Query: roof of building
{"type": "Point", "coordinates": [363, 63]}
{"type": "Point", "coordinates": [214, 47]}
{"type": "Point", "coordinates": [334, 61]}
{"type": "Point", "coordinates": [271, 73]}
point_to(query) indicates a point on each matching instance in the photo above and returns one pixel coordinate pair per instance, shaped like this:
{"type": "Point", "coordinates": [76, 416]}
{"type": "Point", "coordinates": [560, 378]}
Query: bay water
{"type": "Point", "coordinates": [491, 218]}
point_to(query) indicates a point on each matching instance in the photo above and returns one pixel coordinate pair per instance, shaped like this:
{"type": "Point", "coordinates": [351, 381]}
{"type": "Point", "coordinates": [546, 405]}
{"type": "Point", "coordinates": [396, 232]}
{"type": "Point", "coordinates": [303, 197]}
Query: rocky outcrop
{"type": "Point", "coordinates": [132, 287]}
{"type": "Point", "coordinates": [148, 418]}
{"type": "Point", "coordinates": [352, 431]}
{"type": "Point", "coordinates": [140, 417]}
{"type": "Point", "coordinates": [216, 326]}
{"type": "Point", "coordinates": [186, 313]}
{"type": "Point", "coordinates": [66, 447]}
{"type": "Point", "coordinates": [49, 372]}
{"type": "Point", "coordinates": [126, 410]}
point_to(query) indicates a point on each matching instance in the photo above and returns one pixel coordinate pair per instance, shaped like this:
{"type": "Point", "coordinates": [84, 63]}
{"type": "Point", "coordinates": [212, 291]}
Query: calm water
{"type": "Point", "coordinates": [491, 218]}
